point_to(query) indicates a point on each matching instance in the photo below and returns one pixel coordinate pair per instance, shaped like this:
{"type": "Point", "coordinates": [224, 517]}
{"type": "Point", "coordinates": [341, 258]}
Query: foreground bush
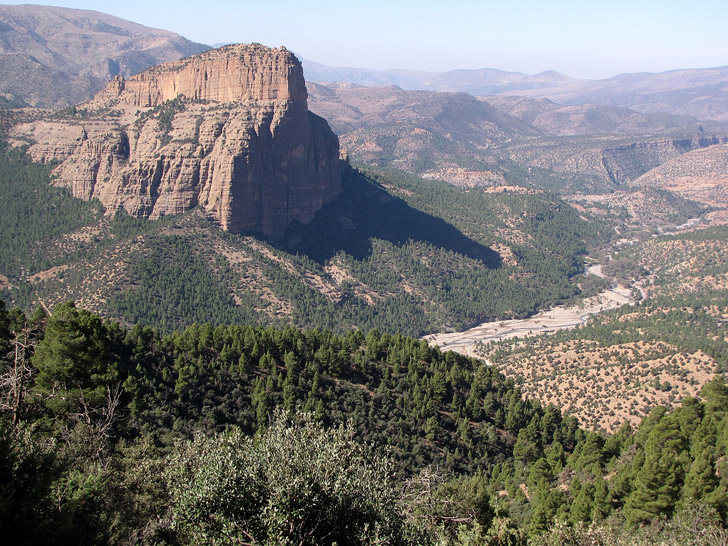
{"type": "Point", "coordinates": [295, 483]}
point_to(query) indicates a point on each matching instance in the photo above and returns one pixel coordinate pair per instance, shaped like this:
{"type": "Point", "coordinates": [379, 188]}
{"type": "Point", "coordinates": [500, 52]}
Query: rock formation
{"type": "Point", "coordinates": [228, 130]}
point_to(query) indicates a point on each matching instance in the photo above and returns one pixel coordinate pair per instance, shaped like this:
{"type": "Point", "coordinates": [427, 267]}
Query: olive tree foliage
{"type": "Point", "coordinates": [42, 500]}
{"type": "Point", "coordinates": [296, 483]}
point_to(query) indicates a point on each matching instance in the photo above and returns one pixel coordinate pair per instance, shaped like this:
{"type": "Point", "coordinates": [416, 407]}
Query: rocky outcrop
{"type": "Point", "coordinates": [229, 74]}
{"type": "Point", "coordinates": [228, 130]}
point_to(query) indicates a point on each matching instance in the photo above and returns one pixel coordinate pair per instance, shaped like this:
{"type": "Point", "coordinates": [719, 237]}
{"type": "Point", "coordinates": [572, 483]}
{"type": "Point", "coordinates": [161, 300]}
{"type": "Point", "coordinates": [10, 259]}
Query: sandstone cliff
{"type": "Point", "coordinates": [228, 130]}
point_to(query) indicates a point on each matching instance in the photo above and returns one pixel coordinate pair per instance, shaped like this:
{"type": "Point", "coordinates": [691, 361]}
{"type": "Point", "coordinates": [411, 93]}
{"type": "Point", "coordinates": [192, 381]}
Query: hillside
{"type": "Point", "coordinates": [121, 436]}
{"type": "Point", "coordinates": [393, 252]}
{"type": "Point", "coordinates": [591, 119]}
{"type": "Point", "coordinates": [688, 186]}
{"type": "Point", "coordinates": [638, 212]}
{"type": "Point", "coordinates": [700, 175]}
{"type": "Point", "coordinates": [471, 142]}
{"type": "Point", "coordinates": [54, 57]}
{"type": "Point", "coordinates": [351, 107]}
{"type": "Point", "coordinates": [418, 131]}
{"type": "Point", "coordinates": [625, 362]}
{"type": "Point", "coordinates": [602, 163]}
{"type": "Point", "coordinates": [699, 93]}
{"type": "Point", "coordinates": [215, 329]}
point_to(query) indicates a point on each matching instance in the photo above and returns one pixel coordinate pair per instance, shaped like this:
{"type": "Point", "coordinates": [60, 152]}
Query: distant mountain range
{"type": "Point", "coordinates": [54, 57]}
{"type": "Point", "coordinates": [486, 81]}
{"type": "Point", "coordinates": [469, 141]}
{"type": "Point", "coordinates": [699, 93]}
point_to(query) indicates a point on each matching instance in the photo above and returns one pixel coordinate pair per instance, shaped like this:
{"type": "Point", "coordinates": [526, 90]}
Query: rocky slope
{"type": "Point", "coordinates": [469, 141]}
{"type": "Point", "coordinates": [228, 130]}
{"type": "Point", "coordinates": [437, 135]}
{"type": "Point", "coordinates": [349, 107]}
{"type": "Point", "coordinates": [54, 57]}
{"type": "Point", "coordinates": [608, 159]}
{"type": "Point", "coordinates": [700, 175]}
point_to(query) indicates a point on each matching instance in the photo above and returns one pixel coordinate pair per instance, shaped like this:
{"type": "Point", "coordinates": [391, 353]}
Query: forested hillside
{"type": "Point", "coordinates": [393, 252]}
{"type": "Point", "coordinates": [120, 436]}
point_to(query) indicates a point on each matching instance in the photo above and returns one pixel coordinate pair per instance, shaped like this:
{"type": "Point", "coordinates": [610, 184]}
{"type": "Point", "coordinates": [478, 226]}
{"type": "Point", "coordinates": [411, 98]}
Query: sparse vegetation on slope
{"type": "Point", "coordinates": [33, 212]}
{"type": "Point", "coordinates": [625, 362]}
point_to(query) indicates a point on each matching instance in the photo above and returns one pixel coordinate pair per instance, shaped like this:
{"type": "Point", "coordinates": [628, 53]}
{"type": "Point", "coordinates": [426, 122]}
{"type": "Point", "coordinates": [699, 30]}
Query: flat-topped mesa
{"type": "Point", "coordinates": [230, 74]}
{"type": "Point", "coordinates": [228, 130]}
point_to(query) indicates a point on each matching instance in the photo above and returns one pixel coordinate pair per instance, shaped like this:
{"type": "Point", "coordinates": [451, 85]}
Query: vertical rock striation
{"type": "Point", "coordinates": [228, 130]}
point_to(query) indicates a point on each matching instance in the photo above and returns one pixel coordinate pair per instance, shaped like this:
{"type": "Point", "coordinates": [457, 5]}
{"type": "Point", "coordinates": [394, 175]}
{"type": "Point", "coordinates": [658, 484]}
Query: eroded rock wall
{"type": "Point", "coordinates": [228, 130]}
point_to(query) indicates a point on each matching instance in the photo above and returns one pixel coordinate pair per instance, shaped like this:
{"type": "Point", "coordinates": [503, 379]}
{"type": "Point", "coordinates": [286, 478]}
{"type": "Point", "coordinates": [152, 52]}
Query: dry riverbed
{"type": "Point", "coordinates": [557, 318]}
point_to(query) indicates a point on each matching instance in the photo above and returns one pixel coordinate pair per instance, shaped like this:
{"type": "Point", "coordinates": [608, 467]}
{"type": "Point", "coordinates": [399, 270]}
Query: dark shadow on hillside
{"type": "Point", "coordinates": [366, 211]}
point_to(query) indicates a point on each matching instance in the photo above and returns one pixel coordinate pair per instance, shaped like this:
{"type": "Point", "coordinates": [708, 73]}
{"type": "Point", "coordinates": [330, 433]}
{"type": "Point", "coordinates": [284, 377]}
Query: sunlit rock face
{"type": "Point", "coordinates": [228, 130]}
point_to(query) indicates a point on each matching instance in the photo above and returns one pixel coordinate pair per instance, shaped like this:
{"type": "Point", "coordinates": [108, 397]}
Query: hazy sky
{"type": "Point", "coordinates": [587, 38]}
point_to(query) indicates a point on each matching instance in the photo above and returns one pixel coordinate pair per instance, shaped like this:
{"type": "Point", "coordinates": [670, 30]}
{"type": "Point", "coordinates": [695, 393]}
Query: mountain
{"type": "Point", "coordinates": [700, 175]}
{"type": "Point", "coordinates": [54, 57]}
{"type": "Point", "coordinates": [422, 132]}
{"type": "Point", "coordinates": [486, 81]}
{"type": "Point", "coordinates": [592, 119]}
{"type": "Point", "coordinates": [497, 139]}
{"type": "Point", "coordinates": [603, 161]}
{"type": "Point", "coordinates": [351, 107]}
{"type": "Point", "coordinates": [700, 93]}
{"type": "Point", "coordinates": [392, 252]}
{"type": "Point", "coordinates": [409, 79]}
{"type": "Point", "coordinates": [228, 129]}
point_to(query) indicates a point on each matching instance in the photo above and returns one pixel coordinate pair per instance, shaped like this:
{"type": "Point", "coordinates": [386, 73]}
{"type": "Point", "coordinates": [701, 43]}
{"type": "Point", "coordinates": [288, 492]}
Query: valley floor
{"type": "Point", "coordinates": [551, 320]}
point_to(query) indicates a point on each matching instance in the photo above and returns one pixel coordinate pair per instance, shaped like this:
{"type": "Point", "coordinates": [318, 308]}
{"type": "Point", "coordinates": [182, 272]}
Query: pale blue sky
{"type": "Point", "coordinates": [579, 38]}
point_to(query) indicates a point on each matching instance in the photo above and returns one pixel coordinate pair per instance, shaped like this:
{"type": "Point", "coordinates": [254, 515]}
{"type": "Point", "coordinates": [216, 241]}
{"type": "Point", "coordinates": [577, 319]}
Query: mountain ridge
{"type": "Point", "coordinates": [70, 54]}
{"type": "Point", "coordinates": [477, 141]}
{"type": "Point", "coordinates": [699, 93]}
{"type": "Point", "coordinates": [68, 67]}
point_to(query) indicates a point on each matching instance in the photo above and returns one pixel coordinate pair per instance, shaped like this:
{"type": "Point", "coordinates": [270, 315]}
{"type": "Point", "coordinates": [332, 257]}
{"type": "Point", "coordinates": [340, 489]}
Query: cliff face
{"type": "Point", "coordinates": [628, 163]}
{"type": "Point", "coordinates": [229, 74]}
{"type": "Point", "coordinates": [228, 130]}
